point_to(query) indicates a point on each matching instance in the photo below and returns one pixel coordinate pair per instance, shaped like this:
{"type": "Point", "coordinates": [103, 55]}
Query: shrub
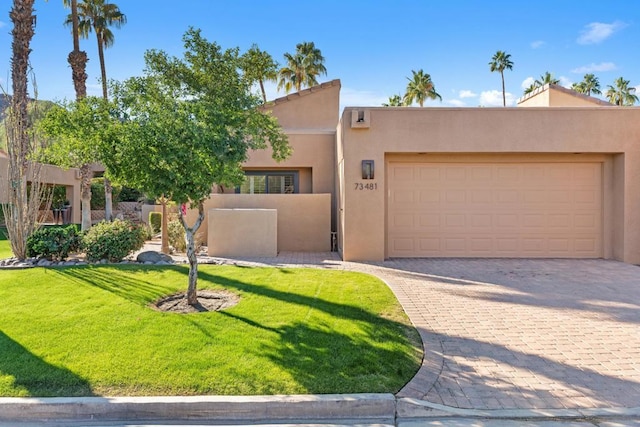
{"type": "Point", "coordinates": [112, 240]}
{"type": "Point", "coordinates": [53, 242]}
{"type": "Point", "coordinates": [177, 237]}
{"type": "Point", "coordinates": [155, 222]}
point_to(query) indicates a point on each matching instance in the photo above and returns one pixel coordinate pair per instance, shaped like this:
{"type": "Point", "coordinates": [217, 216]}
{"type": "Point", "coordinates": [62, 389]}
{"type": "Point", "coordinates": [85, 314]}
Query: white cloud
{"type": "Point", "coordinates": [537, 44]}
{"type": "Point", "coordinates": [467, 94]}
{"type": "Point", "coordinates": [565, 81]}
{"type": "Point", "coordinates": [456, 103]}
{"type": "Point", "coordinates": [603, 66]}
{"type": "Point", "coordinates": [527, 82]}
{"type": "Point", "coordinates": [597, 32]}
{"type": "Point", "coordinates": [493, 98]}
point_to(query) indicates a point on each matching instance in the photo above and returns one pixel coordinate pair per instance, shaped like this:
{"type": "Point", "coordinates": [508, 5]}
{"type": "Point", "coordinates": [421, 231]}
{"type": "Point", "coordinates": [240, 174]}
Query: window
{"type": "Point", "coordinates": [269, 182]}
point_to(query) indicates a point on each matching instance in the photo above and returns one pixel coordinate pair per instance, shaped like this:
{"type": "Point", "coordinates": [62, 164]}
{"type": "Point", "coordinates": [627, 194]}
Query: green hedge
{"type": "Point", "coordinates": [54, 242]}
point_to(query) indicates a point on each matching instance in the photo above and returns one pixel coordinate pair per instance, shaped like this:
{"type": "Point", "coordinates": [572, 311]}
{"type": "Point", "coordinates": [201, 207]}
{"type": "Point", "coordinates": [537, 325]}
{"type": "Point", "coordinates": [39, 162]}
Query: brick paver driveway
{"type": "Point", "coordinates": [513, 333]}
{"type": "Point", "coordinates": [523, 333]}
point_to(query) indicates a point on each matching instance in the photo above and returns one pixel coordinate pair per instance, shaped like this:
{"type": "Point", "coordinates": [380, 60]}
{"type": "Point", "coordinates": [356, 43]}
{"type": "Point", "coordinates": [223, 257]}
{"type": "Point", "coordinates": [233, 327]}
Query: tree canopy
{"type": "Point", "coordinates": [302, 68]}
{"type": "Point", "coordinates": [420, 88]}
{"type": "Point", "coordinates": [186, 124]}
{"type": "Point", "coordinates": [620, 93]}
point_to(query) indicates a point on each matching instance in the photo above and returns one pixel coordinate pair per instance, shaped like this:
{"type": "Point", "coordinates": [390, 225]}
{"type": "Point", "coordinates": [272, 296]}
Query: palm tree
{"type": "Point", "coordinates": [420, 88]}
{"type": "Point", "coordinates": [394, 101]}
{"type": "Point", "coordinates": [302, 68]}
{"type": "Point", "coordinates": [78, 62]}
{"type": "Point", "coordinates": [589, 84]}
{"type": "Point", "coordinates": [621, 94]}
{"type": "Point", "coordinates": [546, 78]}
{"type": "Point", "coordinates": [98, 16]}
{"type": "Point", "coordinates": [501, 61]}
{"type": "Point", "coordinates": [259, 66]}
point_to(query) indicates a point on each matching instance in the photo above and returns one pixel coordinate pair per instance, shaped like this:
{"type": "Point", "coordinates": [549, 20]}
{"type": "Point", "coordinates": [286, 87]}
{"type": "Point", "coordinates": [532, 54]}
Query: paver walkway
{"type": "Point", "coordinates": [508, 333]}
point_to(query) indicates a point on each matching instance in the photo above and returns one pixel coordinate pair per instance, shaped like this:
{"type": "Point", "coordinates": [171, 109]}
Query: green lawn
{"type": "Point", "coordinates": [5, 248]}
{"type": "Point", "coordinates": [90, 331]}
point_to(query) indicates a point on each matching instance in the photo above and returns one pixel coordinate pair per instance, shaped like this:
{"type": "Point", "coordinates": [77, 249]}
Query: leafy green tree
{"type": "Point", "coordinates": [77, 132]}
{"type": "Point", "coordinates": [499, 62]}
{"type": "Point", "coordinates": [187, 124]}
{"type": "Point", "coordinates": [302, 68]}
{"type": "Point", "coordinates": [394, 101]}
{"type": "Point", "coordinates": [620, 93]}
{"type": "Point", "coordinates": [259, 66]}
{"type": "Point", "coordinates": [420, 88]}
{"type": "Point", "coordinates": [589, 84]}
{"type": "Point", "coordinates": [98, 16]}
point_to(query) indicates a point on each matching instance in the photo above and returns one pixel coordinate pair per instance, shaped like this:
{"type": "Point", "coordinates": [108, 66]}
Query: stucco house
{"type": "Point", "coordinates": [556, 177]}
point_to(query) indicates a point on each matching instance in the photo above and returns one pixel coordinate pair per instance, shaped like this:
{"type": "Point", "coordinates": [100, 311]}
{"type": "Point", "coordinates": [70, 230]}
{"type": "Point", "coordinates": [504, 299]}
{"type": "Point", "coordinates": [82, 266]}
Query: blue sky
{"type": "Point", "coordinates": [371, 46]}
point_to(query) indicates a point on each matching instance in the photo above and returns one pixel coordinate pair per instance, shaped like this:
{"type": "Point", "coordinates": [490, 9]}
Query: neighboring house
{"type": "Point", "coordinates": [50, 175]}
{"type": "Point", "coordinates": [561, 181]}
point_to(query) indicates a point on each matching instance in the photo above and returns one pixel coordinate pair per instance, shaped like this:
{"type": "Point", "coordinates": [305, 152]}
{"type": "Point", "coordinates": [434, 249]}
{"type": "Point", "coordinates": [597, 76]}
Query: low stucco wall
{"type": "Point", "coordinates": [243, 232]}
{"type": "Point", "coordinates": [304, 220]}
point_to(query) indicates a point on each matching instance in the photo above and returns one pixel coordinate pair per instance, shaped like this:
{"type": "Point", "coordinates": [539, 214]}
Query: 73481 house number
{"type": "Point", "coordinates": [367, 186]}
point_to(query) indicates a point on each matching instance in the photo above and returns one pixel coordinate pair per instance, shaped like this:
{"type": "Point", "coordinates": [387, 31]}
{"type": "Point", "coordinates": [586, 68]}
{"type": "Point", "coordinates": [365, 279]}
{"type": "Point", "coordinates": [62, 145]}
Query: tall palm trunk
{"type": "Point", "coordinates": [108, 189]}
{"type": "Point", "coordinates": [78, 62]}
{"type": "Point", "coordinates": [20, 219]}
{"type": "Point", "coordinates": [504, 96]}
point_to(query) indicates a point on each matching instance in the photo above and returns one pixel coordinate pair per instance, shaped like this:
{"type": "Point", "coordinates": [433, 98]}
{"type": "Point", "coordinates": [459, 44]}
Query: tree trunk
{"type": "Point", "coordinates": [504, 95]}
{"type": "Point", "coordinates": [108, 200]}
{"type": "Point", "coordinates": [264, 94]}
{"type": "Point", "coordinates": [19, 219]}
{"type": "Point", "coordinates": [85, 195]}
{"type": "Point", "coordinates": [192, 294]}
{"type": "Point", "coordinates": [103, 71]}
{"type": "Point", "coordinates": [164, 229]}
{"type": "Point", "coordinates": [77, 58]}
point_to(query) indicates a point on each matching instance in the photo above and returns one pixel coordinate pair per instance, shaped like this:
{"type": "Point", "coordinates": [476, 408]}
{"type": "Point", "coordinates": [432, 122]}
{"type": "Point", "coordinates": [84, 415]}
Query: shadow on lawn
{"type": "Point", "coordinates": [32, 376]}
{"type": "Point", "coordinates": [118, 281]}
{"type": "Point", "coordinates": [326, 360]}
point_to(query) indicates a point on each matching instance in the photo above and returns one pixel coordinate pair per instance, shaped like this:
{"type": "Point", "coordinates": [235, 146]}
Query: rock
{"type": "Point", "coordinates": [153, 257]}
{"type": "Point", "coordinates": [44, 263]}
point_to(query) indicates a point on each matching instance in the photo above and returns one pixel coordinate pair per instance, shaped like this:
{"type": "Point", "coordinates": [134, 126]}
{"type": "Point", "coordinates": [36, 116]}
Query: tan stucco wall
{"type": "Point", "coordinates": [311, 151]}
{"type": "Point", "coordinates": [304, 220]}
{"type": "Point", "coordinates": [313, 108]}
{"type": "Point", "coordinates": [243, 232]}
{"type": "Point", "coordinates": [51, 175]}
{"type": "Point", "coordinates": [429, 132]}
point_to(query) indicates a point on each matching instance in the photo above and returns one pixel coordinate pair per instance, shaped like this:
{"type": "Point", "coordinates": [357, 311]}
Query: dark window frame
{"type": "Point", "coordinates": [268, 173]}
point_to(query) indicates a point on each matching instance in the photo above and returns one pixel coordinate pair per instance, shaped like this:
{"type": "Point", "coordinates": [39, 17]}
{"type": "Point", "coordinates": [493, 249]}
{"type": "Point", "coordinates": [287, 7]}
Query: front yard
{"type": "Point", "coordinates": [82, 331]}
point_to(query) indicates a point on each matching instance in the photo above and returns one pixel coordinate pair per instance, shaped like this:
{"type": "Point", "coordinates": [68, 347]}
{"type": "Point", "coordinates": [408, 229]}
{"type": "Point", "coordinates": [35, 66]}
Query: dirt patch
{"type": "Point", "coordinates": [208, 300]}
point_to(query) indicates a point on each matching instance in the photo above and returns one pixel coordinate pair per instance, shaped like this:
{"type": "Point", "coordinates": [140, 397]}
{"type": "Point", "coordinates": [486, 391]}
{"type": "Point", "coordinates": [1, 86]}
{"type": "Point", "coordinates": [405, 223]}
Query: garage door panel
{"type": "Point", "coordinates": [495, 210]}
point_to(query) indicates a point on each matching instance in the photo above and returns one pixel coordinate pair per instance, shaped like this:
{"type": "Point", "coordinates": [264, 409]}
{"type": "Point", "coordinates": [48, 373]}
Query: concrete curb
{"type": "Point", "coordinates": [369, 408]}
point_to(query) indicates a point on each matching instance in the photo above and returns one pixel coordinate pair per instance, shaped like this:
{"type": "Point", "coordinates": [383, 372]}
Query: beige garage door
{"type": "Point", "coordinates": [495, 210]}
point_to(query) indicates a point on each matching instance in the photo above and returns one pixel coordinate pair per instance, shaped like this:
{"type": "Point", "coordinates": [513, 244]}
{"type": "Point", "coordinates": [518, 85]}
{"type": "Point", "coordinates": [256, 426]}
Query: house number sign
{"type": "Point", "coordinates": [368, 186]}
